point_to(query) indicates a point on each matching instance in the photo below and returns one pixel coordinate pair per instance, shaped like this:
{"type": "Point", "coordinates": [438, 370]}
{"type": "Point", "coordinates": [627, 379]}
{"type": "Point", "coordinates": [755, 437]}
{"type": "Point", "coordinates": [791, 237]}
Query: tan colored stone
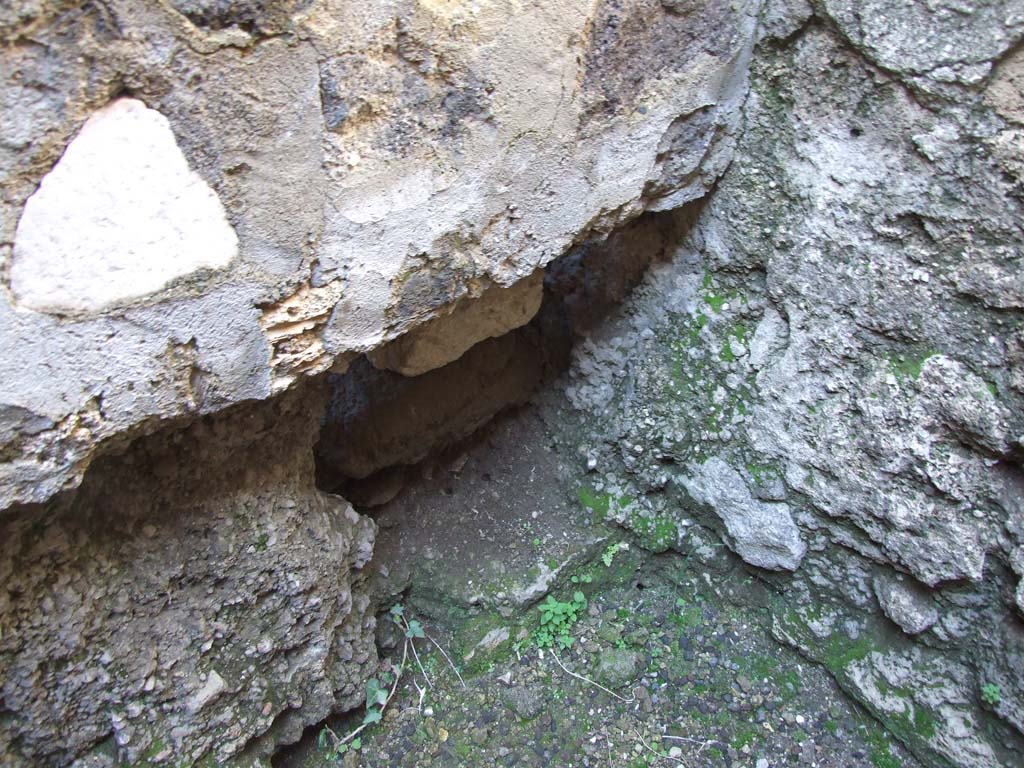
{"type": "Point", "coordinates": [446, 338]}
{"type": "Point", "coordinates": [293, 327]}
{"type": "Point", "coordinates": [1005, 94]}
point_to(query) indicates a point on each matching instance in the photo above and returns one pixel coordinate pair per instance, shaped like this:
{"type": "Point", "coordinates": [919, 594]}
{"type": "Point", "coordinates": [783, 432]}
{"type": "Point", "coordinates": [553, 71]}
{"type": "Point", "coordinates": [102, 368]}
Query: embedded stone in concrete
{"type": "Point", "coordinates": [446, 338]}
{"type": "Point", "coordinates": [120, 216]}
{"type": "Point", "coordinates": [378, 164]}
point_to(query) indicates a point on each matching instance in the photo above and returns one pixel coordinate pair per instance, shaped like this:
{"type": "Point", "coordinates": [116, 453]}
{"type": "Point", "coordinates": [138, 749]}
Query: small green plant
{"type": "Point", "coordinates": [377, 698]}
{"type": "Point", "coordinates": [557, 619]}
{"type": "Point", "coordinates": [336, 750]}
{"type": "Point", "coordinates": [608, 556]}
{"type": "Point", "coordinates": [991, 695]}
{"type": "Point", "coordinates": [378, 694]}
{"type": "Point", "coordinates": [584, 578]}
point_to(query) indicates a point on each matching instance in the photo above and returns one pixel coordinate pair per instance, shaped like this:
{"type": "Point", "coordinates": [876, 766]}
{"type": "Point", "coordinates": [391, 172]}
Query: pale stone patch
{"type": "Point", "coordinates": [120, 216]}
{"type": "Point", "coordinates": [447, 337]}
{"type": "Point", "coordinates": [762, 533]}
{"type": "Point", "coordinates": [906, 603]}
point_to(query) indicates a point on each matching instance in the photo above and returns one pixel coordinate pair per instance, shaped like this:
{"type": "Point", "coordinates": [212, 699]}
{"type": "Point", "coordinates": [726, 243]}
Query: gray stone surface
{"type": "Point", "coordinates": [826, 367]}
{"type": "Point", "coordinates": [197, 600]}
{"type": "Point", "coordinates": [762, 533]}
{"type": "Point", "coordinates": [841, 329]}
{"type": "Point", "coordinates": [907, 604]}
{"type": "Point", "coordinates": [618, 667]}
{"type": "Point", "coordinates": [525, 701]}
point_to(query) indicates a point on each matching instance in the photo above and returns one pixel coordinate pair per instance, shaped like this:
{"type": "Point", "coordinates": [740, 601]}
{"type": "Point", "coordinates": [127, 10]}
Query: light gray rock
{"type": "Point", "coordinates": [918, 687]}
{"type": "Point", "coordinates": [931, 44]}
{"type": "Point", "coordinates": [208, 691]}
{"type": "Point", "coordinates": [618, 667]}
{"type": "Point", "coordinates": [489, 642]}
{"type": "Point", "coordinates": [524, 700]}
{"type": "Point", "coordinates": [872, 273]}
{"type": "Point", "coordinates": [907, 604]}
{"type": "Point", "coordinates": [762, 533]}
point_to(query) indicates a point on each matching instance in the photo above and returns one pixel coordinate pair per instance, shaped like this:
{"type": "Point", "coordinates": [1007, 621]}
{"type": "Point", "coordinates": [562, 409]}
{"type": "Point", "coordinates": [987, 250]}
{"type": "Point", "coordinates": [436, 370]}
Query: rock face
{"type": "Point", "coordinates": [840, 336]}
{"type": "Point", "coordinates": [376, 162]}
{"type": "Point", "coordinates": [208, 206]}
{"type": "Point", "coordinates": [197, 600]}
{"type": "Point", "coordinates": [762, 533]}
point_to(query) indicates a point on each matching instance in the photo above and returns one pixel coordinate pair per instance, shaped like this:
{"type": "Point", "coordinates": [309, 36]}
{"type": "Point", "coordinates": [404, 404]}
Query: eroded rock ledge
{"type": "Point", "coordinates": [322, 177]}
{"type": "Point", "coordinates": [825, 371]}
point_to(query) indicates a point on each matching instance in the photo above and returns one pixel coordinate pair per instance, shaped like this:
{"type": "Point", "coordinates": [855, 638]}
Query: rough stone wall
{"type": "Point", "coordinates": [196, 601]}
{"type": "Point", "coordinates": [206, 205]}
{"type": "Point", "coordinates": [829, 372]}
{"type": "Point", "coordinates": [374, 162]}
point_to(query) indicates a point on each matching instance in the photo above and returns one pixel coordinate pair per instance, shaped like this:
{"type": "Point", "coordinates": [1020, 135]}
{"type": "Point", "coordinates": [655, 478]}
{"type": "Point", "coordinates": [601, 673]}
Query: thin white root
{"type": "Point", "coordinates": [419, 664]}
{"type": "Point", "coordinates": [422, 694]}
{"type": "Point", "coordinates": [450, 664]}
{"type": "Point", "coordinates": [653, 751]}
{"type": "Point", "coordinates": [567, 671]}
{"type": "Point", "coordinates": [410, 640]}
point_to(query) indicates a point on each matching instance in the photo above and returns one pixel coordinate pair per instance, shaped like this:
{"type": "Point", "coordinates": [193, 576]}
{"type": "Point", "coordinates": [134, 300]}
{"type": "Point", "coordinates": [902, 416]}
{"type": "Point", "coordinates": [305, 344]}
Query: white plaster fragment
{"type": "Point", "coordinates": [120, 215]}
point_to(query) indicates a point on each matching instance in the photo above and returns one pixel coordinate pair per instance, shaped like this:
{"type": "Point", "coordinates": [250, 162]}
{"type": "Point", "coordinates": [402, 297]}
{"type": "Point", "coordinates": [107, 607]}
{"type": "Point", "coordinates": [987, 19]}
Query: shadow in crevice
{"type": "Point", "coordinates": [379, 422]}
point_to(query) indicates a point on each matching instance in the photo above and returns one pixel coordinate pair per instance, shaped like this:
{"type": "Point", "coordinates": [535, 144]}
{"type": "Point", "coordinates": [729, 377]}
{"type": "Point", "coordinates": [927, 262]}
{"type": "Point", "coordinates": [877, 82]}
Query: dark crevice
{"type": "Point", "coordinates": [381, 425]}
